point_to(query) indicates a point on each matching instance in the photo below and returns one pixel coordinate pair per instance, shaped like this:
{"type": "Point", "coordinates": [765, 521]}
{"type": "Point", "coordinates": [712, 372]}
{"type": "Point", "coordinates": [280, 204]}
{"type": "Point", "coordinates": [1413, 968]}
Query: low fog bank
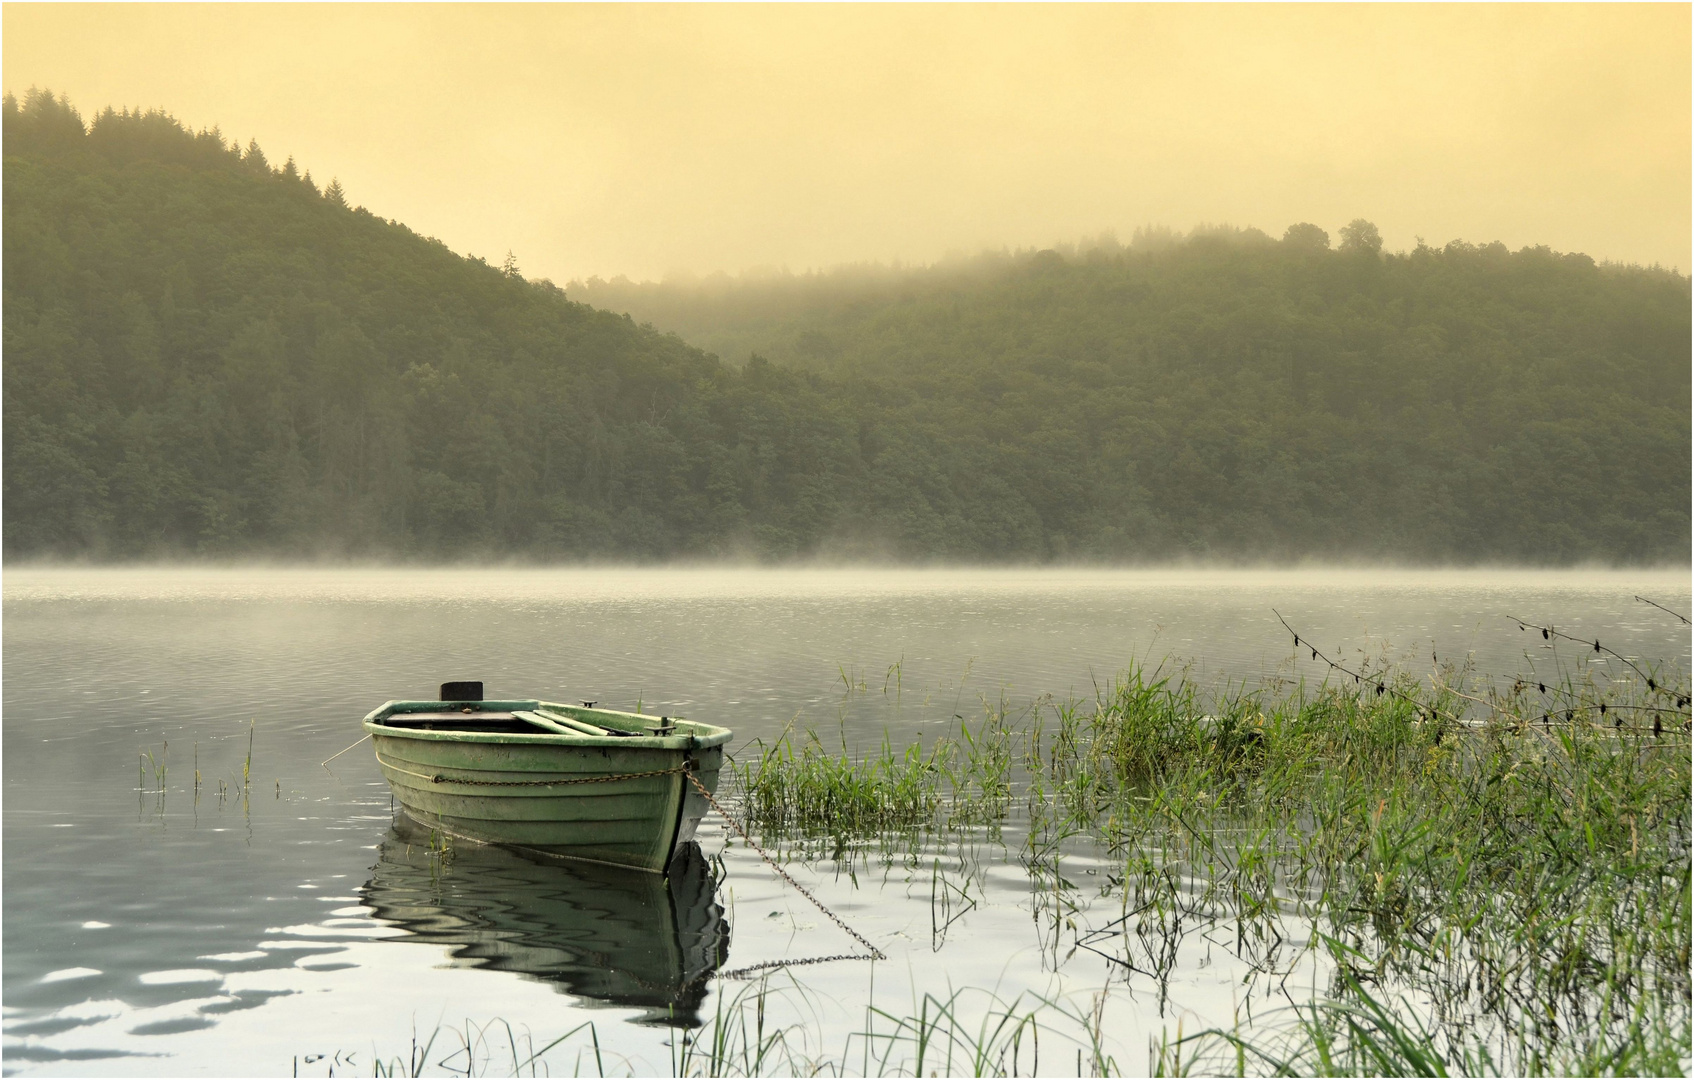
{"type": "Point", "coordinates": [1343, 572]}
{"type": "Point", "coordinates": [1193, 601]}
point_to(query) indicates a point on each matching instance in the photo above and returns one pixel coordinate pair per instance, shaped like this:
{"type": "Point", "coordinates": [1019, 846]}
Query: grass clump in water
{"type": "Point", "coordinates": [1525, 876]}
{"type": "Point", "coordinates": [964, 777]}
{"type": "Point", "coordinates": [810, 788]}
{"type": "Point", "coordinates": [1361, 1033]}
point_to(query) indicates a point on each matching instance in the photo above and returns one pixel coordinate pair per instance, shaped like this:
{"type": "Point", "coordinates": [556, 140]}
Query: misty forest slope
{"type": "Point", "coordinates": [203, 353]}
{"type": "Point", "coordinates": [1236, 393]}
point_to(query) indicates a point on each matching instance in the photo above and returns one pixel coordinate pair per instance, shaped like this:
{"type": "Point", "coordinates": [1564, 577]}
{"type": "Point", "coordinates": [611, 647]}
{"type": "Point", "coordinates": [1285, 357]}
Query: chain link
{"type": "Point", "coordinates": [439, 778]}
{"type": "Point", "coordinates": [751, 970]}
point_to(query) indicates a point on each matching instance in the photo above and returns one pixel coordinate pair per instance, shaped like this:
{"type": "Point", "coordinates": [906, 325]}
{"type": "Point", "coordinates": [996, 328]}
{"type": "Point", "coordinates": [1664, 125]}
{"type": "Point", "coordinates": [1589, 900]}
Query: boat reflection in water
{"type": "Point", "coordinates": [606, 935]}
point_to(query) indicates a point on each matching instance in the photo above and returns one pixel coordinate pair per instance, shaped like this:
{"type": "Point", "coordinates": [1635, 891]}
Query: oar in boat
{"type": "Point", "coordinates": [562, 725]}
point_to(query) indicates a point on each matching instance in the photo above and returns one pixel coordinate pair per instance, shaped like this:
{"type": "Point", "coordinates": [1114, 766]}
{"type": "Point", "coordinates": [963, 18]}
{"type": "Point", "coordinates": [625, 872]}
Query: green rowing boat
{"type": "Point", "coordinates": [550, 780]}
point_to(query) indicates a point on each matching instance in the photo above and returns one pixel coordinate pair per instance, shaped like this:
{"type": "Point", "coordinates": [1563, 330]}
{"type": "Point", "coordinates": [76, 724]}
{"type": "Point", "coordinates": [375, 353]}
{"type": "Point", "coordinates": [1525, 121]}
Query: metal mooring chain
{"type": "Point", "coordinates": [438, 778]}
{"type": "Point", "coordinates": [753, 969]}
{"type": "Point", "coordinates": [875, 952]}
{"type": "Point", "coordinates": [557, 783]}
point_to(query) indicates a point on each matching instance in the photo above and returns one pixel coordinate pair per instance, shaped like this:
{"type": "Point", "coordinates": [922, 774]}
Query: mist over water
{"type": "Point", "coordinates": [705, 637]}
{"type": "Point", "coordinates": [204, 932]}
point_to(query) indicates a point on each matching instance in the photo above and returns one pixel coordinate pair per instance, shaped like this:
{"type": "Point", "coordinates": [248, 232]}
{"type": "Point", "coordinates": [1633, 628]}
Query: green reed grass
{"type": "Point", "coordinates": [1369, 1034]}
{"type": "Point", "coordinates": [966, 776]}
{"type": "Point", "coordinates": [807, 786]}
{"type": "Point", "coordinates": [1518, 857]}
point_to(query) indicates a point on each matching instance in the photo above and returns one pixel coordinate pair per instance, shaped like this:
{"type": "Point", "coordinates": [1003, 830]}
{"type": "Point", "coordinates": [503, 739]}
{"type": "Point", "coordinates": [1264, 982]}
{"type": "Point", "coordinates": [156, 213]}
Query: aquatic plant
{"type": "Point", "coordinates": [1366, 1034]}
{"type": "Point", "coordinates": [1516, 854]}
{"type": "Point", "coordinates": [809, 787]}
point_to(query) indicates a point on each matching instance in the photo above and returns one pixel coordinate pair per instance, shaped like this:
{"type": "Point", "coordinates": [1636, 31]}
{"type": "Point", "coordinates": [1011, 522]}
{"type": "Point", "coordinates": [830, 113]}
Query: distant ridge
{"type": "Point", "coordinates": [208, 354]}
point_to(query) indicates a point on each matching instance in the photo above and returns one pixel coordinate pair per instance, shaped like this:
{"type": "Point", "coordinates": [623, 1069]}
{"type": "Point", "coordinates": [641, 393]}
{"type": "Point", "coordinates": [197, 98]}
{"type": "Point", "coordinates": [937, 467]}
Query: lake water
{"type": "Point", "coordinates": [296, 929]}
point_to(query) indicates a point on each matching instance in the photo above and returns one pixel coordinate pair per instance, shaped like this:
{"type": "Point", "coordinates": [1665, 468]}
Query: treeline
{"type": "Point", "coordinates": [206, 353]}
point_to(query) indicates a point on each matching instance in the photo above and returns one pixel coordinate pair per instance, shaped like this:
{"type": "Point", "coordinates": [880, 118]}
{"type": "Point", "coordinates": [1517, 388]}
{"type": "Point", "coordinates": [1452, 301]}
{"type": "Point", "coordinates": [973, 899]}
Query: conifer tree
{"type": "Point", "coordinates": [334, 193]}
{"type": "Point", "coordinates": [255, 157]}
{"type": "Point", "coordinates": [510, 266]}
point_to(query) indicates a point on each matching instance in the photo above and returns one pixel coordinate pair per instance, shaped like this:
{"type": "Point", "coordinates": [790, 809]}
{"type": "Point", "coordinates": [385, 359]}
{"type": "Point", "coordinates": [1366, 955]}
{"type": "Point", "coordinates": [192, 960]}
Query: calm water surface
{"type": "Point", "coordinates": [299, 929]}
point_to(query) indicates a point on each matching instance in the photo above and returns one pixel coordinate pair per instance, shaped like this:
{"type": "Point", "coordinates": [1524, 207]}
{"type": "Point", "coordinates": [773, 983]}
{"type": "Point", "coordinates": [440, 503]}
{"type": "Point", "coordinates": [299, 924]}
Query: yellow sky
{"type": "Point", "coordinates": [647, 139]}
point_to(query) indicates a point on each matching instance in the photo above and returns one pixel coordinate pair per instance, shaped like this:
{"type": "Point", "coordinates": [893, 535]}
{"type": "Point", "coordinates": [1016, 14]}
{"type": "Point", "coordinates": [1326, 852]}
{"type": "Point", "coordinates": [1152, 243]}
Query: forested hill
{"type": "Point", "coordinates": [204, 353]}
{"type": "Point", "coordinates": [1229, 392]}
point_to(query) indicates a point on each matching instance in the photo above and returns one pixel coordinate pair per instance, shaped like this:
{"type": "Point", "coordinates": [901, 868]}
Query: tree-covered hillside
{"type": "Point", "coordinates": [1233, 393]}
{"type": "Point", "coordinates": [206, 353]}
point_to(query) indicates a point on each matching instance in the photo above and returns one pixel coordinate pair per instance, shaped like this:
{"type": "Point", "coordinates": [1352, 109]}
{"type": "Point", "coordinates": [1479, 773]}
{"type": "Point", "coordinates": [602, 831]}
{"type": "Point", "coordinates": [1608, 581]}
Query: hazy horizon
{"type": "Point", "coordinates": [654, 142]}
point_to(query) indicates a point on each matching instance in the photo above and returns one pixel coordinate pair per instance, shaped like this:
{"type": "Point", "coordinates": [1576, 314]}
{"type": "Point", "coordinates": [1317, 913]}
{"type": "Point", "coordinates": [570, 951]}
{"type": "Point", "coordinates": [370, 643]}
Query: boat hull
{"type": "Point", "coordinates": [624, 802]}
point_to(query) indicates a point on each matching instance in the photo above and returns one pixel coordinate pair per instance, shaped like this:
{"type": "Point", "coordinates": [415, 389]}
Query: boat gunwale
{"type": "Point", "coordinates": [707, 736]}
